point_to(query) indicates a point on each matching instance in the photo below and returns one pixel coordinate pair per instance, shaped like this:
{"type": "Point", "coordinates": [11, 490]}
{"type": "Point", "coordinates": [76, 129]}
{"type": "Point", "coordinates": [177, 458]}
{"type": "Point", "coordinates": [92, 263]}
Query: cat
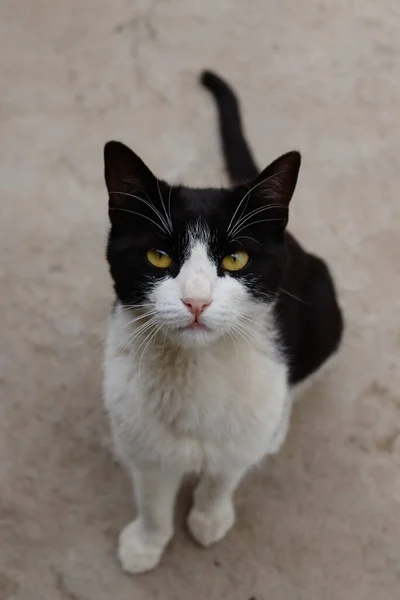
{"type": "Point", "coordinates": [219, 313]}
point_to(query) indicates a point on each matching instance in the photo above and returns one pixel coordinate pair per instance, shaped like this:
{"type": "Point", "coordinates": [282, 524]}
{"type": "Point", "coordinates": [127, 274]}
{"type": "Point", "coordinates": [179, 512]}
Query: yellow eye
{"type": "Point", "coordinates": [158, 258]}
{"type": "Point", "coordinates": [236, 261]}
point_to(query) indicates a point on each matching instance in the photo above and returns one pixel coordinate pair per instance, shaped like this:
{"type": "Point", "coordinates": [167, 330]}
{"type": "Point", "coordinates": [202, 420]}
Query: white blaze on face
{"type": "Point", "coordinates": [229, 306]}
{"type": "Point", "coordinates": [198, 276]}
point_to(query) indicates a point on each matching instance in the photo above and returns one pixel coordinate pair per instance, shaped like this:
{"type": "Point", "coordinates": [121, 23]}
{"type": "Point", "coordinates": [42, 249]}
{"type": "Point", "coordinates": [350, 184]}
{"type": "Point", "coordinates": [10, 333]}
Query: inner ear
{"type": "Point", "coordinates": [124, 172]}
{"type": "Point", "coordinates": [278, 181]}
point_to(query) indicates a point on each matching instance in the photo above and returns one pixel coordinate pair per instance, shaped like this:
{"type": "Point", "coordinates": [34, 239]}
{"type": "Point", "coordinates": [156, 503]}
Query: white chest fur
{"type": "Point", "coordinates": [212, 408]}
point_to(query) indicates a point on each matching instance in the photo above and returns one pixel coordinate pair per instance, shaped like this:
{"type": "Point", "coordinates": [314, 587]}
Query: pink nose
{"type": "Point", "coordinates": [196, 307]}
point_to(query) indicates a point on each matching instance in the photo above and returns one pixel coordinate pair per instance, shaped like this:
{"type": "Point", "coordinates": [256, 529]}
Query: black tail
{"type": "Point", "coordinates": [238, 157]}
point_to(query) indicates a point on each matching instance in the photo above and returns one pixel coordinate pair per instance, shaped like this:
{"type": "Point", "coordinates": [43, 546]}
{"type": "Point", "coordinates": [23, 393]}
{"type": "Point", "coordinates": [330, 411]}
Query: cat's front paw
{"type": "Point", "coordinates": [139, 552]}
{"type": "Point", "coordinates": [210, 527]}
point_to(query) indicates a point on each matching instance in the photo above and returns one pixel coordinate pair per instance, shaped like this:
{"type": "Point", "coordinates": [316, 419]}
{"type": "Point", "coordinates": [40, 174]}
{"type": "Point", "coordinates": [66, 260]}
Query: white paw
{"type": "Point", "coordinates": [209, 528]}
{"type": "Point", "coordinates": [139, 552]}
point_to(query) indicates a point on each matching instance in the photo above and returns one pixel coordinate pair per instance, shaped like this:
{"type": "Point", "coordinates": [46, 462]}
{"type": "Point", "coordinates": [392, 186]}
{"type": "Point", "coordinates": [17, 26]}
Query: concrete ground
{"type": "Point", "coordinates": [321, 520]}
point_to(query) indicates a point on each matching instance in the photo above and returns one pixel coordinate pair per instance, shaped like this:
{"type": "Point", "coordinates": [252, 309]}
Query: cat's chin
{"type": "Point", "coordinates": [195, 336]}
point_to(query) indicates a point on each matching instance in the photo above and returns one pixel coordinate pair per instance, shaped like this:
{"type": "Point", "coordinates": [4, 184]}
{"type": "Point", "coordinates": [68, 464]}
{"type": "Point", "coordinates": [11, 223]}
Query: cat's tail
{"type": "Point", "coordinates": [239, 160]}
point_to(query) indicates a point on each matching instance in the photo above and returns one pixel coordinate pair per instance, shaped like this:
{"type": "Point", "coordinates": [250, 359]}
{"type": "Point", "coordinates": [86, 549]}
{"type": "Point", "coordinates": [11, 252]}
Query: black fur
{"type": "Point", "coordinates": [312, 325]}
{"type": "Point", "coordinates": [240, 163]}
{"type": "Point", "coordinates": [307, 312]}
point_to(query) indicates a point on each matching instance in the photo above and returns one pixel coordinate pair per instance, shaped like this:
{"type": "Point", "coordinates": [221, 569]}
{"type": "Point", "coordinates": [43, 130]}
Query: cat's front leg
{"type": "Point", "coordinates": [213, 512]}
{"type": "Point", "coordinates": [143, 541]}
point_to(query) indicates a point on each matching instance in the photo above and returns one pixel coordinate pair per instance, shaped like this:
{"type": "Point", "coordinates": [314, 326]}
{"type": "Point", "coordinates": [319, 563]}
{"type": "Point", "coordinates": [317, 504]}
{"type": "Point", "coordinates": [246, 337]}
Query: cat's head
{"type": "Point", "coordinates": [201, 263]}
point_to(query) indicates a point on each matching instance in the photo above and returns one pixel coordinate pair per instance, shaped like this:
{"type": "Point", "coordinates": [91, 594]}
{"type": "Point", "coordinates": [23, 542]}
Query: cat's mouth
{"type": "Point", "coordinates": [195, 326]}
{"type": "Point", "coordinates": [194, 334]}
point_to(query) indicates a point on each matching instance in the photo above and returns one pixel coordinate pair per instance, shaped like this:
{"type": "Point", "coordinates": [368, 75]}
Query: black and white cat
{"type": "Point", "coordinates": [219, 312]}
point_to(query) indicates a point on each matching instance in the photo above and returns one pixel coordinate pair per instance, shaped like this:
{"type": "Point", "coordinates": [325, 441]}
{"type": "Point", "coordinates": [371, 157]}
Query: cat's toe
{"type": "Point", "coordinates": [137, 552]}
{"type": "Point", "coordinates": [210, 527]}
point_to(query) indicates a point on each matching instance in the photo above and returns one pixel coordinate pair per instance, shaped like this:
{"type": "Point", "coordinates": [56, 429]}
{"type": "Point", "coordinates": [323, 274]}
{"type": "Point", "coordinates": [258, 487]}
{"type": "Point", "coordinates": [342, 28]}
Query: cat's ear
{"type": "Point", "coordinates": [124, 172]}
{"type": "Point", "coordinates": [277, 182]}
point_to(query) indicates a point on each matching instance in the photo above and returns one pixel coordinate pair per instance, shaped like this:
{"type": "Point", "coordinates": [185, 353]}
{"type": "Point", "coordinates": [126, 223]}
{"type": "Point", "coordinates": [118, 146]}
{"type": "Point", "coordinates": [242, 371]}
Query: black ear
{"type": "Point", "coordinates": [124, 172]}
{"type": "Point", "coordinates": [277, 182]}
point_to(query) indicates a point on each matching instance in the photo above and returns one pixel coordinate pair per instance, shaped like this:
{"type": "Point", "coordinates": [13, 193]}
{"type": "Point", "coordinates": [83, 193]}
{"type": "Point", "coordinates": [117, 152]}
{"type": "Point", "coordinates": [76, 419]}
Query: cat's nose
{"type": "Point", "coordinates": [196, 306]}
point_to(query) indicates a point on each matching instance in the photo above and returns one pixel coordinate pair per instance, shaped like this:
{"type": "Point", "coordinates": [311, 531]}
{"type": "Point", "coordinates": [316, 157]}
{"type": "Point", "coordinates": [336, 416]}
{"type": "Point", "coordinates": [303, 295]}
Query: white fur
{"type": "Point", "coordinates": [192, 401]}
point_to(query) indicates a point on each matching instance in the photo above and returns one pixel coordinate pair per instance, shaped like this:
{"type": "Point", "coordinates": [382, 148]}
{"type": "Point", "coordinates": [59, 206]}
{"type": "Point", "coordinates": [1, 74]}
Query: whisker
{"type": "Point", "coordinates": [146, 337]}
{"type": "Point", "coordinates": [146, 203]}
{"type": "Point", "coordinates": [241, 337]}
{"type": "Point", "coordinates": [249, 319]}
{"type": "Point", "coordinates": [163, 205]}
{"type": "Point", "coordinates": [131, 346]}
{"type": "Point", "coordinates": [137, 333]}
{"type": "Point", "coordinates": [126, 307]}
{"type": "Point", "coordinates": [234, 343]}
{"type": "Point", "coordinates": [247, 237]}
{"type": "Point", "coordinates": [142, 327]}
{"type": "Point", "coordinates": [140, 215]}
{"type": "Point", "coordinates": [245, 205]}
{"type": "Point", "coordinates": [149, 337]}
{"type": "Point", "coordinates": [148, 314]}
{"type": "Point", "coordinates": [169, 204]}
{"type": "Point", "coordinates": [122, 308]}
{"type": "Point", "coordinates": [245, 327]}
{"type": "Point", "coordinates": [146, 194]}
{"type": "Point", "coordinates": [249, 192]}
{"type": "Point", "coordinates": [242, 331]}
{"type": "Point", "coordinates": [256, 223]}
{"type": "Point", "coordinates": [295, 297]}
{"type": "Point", "coordinates": [147, 345]}
{"type": "Point", "coordinates": [149, 204]}
{"type": "Point", "coordinates": [253, 213]}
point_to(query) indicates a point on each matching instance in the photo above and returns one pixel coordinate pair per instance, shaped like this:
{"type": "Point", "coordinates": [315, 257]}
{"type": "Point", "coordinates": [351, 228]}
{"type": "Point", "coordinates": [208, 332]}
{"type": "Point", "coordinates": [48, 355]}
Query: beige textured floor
{"type": "Point", "coordinates": [322, 520]}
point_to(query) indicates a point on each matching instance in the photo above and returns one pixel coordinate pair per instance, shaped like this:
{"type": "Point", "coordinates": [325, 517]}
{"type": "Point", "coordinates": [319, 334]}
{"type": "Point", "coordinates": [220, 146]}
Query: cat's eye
{"type": "Point", "coordinates": [158, 258]}
{"type": "Point", "coordinates": [235, 261]}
